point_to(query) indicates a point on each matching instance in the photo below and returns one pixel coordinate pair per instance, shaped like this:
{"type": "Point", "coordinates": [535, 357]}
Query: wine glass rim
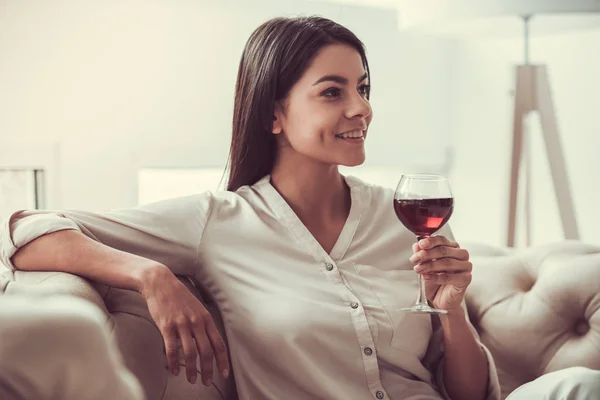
{"type": "Point", "coordinates": [424, 176]}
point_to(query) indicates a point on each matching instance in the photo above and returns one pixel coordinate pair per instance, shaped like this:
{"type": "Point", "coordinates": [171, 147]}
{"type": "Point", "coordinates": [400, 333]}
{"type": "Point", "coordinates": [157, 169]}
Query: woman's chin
{"type": "Point", "coordinates": [353, 161]}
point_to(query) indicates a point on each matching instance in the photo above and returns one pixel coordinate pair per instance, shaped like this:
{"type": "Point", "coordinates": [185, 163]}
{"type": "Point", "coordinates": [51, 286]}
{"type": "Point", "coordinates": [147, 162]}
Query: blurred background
{"type": "Point", "coordinates": [115, 103]}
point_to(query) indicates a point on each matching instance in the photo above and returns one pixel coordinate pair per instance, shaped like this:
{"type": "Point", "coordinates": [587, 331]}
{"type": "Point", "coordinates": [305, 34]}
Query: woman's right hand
{"type": "Point", "coordinates": [179, 314]}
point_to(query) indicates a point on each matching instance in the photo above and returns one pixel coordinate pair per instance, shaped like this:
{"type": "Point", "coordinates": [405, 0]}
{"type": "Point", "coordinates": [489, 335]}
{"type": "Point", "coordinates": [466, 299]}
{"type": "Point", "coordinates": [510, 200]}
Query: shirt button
{"type": "Point", "coordinates": [354, 304]}
{"type": "Point", "coordinates": [379, 394]}
{"type": "Point", "coordinates": [328, 266]}
{"type": "Point", "coordinates": [368, 351]}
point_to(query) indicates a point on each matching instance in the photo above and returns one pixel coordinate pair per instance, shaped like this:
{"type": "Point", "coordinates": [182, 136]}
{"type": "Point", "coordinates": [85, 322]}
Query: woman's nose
{"type": "Point", "coordinates": [359, 107]}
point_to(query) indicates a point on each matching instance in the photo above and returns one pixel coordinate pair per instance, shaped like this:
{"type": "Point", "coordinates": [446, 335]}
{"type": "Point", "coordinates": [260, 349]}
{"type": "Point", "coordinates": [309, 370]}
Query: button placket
{"type": "Point", "coordinates": [333, 272]}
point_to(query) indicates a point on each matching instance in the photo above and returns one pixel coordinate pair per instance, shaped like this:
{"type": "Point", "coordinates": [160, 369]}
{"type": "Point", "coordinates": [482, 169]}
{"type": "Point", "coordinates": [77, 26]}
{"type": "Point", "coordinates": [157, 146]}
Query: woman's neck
{"type": "Point", "coordinates": [317, 193]}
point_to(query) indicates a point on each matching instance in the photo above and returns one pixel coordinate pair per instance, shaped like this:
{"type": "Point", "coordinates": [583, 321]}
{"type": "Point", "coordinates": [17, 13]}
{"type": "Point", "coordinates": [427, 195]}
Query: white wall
{"type": "Point", "coordinates": [95, 90]}
{"type": "Point", "coordinates": [481, 108]}
{"type": "Point", "coordinates": [119, 85]}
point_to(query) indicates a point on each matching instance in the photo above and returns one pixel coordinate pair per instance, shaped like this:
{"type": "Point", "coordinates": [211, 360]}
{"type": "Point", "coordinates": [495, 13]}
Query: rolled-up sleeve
{"type": "Point", "coordinates": [167, 231]}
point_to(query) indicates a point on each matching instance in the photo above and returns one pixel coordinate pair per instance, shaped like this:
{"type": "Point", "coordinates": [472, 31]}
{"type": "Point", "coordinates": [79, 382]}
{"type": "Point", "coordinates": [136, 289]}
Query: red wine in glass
{"type": "Point", "coordinates": [424, 217]}
{"type": "Point", "coordinates": [423, 203]}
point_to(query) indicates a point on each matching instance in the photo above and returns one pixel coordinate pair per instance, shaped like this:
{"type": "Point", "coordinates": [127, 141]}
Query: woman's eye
{"type": "Point", "coordinates": [332, 93]}
{"type": "Point", "coordinates": [364, 90]}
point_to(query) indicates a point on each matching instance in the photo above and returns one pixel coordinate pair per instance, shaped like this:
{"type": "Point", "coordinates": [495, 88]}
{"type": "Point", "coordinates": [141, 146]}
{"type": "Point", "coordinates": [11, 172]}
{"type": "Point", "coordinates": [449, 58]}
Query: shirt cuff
{"type": "Point", "coordinates": [17, 231]}
{"type": "Point", "coordinates": [493, 384]}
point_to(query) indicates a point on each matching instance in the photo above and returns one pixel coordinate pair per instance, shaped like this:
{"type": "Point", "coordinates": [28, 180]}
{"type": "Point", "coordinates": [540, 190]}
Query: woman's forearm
{"type": "Point", "coordinates": [73, 252]}
{"type": "Point", "coordinates": [465, 363]}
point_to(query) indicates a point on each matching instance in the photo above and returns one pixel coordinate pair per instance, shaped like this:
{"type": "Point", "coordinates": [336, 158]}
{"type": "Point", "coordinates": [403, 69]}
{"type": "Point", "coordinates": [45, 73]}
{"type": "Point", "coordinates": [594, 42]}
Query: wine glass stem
{"type": "Point", "coordinates": [422, 297]}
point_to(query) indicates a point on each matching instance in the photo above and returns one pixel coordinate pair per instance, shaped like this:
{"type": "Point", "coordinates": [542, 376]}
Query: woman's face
{"type": "Point", "coordinates": [326, 113]}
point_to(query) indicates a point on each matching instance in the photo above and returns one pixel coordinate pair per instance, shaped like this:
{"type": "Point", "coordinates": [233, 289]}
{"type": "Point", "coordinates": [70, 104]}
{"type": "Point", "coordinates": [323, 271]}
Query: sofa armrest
{"type": "Point", "coordinates": [134, 331]}
{"type": "Point", "coordinates": [41, 283]}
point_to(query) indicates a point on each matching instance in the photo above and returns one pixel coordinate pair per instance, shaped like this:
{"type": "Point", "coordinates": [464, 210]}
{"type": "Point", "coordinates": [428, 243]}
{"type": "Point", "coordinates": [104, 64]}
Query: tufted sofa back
{"type": "Point", "coordinates": [537, 310]}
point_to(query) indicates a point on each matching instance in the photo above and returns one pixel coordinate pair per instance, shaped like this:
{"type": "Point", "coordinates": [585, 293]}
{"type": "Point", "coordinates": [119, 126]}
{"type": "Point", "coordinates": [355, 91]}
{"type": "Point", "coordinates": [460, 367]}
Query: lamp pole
{"type": "Point", "coordinates": [532, 93]}
{"type": "Point", "coordinates": [526, 19]}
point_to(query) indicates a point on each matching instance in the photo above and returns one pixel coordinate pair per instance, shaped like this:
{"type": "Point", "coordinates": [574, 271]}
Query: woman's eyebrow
{"type": "Point", "coordinates": [338, 79]}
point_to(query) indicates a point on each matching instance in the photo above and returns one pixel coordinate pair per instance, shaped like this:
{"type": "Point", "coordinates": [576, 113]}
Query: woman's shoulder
{"type": "Point", "coordinates": [377, 200]}
{"type": "Point", "coordinates": [204, 202]}
{"type": "Point", "coordinates": [223, 199]}
{"type": "Point", "coordinates": [375, 191]}
{"type": "Point", "coordinates": [226, 200]}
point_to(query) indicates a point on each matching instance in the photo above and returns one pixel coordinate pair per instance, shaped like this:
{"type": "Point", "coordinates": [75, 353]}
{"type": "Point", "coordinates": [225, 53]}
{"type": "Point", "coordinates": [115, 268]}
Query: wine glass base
{"type": "Point", "coordinates": [423, 309]}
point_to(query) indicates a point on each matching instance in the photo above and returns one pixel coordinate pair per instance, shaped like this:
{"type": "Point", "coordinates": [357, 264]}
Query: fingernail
{"type": "Point", "coordinates": [175, 371]}
{"type": "Point", "coordinates": [415, 259]}
{"type": "Point", "coordinates": [424, 243]}
{"type": "Point", "coordinates": [193, 379]}
{"type": "Point", "coordinates": [427, 277]}
{"type": "Point", "coordinates": [225, 373]}
{"type": "Point", "coordinates": [208, 382]}
{"type": "Point", "coordinates": [418, 268]}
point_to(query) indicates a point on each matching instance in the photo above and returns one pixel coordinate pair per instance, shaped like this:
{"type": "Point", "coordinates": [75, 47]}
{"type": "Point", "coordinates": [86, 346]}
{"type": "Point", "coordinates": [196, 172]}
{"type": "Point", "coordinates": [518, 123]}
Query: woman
{"type": "Point", "coordinates": [308, 267]}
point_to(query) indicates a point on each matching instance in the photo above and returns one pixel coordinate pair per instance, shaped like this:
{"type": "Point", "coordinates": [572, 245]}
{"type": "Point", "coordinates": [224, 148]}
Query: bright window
{"type": "Point", "coordinates": [21, 189]}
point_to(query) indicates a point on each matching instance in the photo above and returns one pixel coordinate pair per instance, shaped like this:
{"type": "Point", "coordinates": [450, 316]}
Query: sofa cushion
{"type": "Point", "coordinates": [537, 310]}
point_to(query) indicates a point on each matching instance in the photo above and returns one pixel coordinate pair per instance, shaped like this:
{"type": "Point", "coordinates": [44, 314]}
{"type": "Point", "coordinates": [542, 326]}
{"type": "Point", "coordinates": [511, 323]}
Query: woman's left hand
{"type": "Point", "coordinates": [446, 270]}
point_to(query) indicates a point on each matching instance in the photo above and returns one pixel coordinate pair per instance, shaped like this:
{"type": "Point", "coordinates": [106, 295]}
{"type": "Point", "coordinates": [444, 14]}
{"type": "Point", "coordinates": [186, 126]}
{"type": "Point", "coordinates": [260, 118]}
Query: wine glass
{"type": "Point", "coordinates": [423, 203]}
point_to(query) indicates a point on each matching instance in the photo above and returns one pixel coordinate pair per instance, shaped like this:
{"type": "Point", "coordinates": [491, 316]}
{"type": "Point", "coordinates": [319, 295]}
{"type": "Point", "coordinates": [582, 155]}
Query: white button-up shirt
{"type": "Point", "coordinates": [301, 323]}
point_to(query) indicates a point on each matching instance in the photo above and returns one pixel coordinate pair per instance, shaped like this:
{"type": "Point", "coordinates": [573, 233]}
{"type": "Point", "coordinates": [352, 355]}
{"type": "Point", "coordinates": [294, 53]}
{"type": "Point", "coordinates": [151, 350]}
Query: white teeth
{"type": "Point", "coordinates": [353, 135]}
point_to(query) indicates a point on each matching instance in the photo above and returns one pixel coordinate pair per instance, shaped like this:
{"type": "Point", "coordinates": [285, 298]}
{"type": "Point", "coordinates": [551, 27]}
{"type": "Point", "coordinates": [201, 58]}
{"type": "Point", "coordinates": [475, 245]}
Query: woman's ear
{"type": "Point", "coordinates": [277, 120]}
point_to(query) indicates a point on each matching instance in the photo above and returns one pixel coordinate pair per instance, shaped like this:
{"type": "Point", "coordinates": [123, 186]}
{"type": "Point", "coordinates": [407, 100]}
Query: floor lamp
{"type": "Point", "coordinates": [532, 87]}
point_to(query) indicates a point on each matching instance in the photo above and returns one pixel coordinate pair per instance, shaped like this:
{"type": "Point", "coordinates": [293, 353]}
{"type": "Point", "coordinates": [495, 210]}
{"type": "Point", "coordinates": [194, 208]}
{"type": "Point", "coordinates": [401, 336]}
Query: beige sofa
{"type": "Point", "coordinates": [537, 310]}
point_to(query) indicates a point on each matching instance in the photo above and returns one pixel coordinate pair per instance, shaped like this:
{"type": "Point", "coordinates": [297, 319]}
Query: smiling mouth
{"type": "Point", "coordinates": [352, 135]}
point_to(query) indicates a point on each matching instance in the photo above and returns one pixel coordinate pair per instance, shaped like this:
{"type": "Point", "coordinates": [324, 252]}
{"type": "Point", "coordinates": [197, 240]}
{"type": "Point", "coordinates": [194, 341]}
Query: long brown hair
{"type": "Point", "coordinates": [275, 57]}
